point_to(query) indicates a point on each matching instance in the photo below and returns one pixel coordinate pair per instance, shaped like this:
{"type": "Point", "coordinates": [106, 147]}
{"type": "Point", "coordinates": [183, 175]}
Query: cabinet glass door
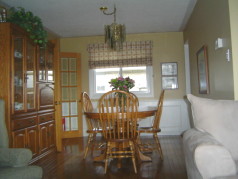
{"type": "Point", "coordinates": [18, 74]}
{"type": "Point", "coordinates": [30, 75]}
{"type": "Point", "coordinates": [50, 67]}
{"type": "Point", "coordinates": [41, 65]}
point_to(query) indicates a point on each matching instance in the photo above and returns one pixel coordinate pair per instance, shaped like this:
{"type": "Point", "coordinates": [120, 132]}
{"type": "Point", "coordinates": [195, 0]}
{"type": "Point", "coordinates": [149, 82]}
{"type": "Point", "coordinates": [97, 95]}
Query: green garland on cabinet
{"type": "Point", "coordinates": [32, 24]}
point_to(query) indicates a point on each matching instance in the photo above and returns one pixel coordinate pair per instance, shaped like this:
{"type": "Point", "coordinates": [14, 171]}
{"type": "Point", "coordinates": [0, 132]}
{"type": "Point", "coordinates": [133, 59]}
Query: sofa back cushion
{"type": "Point", "coordinates": [219, 118]}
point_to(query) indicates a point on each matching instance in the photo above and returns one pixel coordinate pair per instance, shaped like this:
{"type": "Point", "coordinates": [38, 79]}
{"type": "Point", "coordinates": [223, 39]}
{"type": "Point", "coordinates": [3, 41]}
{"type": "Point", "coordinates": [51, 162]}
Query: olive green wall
{"type": "Point", "coordinates": [233, 6]}
{"type": "Point", "coordinates": [167, 47]}
{"type": "Point", "coordinates": [209, 21]}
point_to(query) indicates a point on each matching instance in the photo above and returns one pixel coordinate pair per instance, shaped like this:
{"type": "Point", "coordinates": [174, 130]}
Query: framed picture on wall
{"type": "Point", "coordinates": [169, 74]}
{"type": "Point", "coordinates": [202, 65]}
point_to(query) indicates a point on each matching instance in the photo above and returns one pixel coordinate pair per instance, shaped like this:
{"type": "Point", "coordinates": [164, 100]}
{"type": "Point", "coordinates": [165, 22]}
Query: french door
{"type": "Point", "coordinates": [70, 94]}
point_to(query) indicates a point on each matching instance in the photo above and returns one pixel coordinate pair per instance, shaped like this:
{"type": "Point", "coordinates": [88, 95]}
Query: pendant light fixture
{"type": "Point", "coordinates": [115, 34]}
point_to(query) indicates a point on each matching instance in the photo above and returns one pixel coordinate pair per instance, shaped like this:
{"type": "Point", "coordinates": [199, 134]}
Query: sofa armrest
{"type": "Point", "coordinates": [206, 157]}
{"type": "Point", "coordinates": [14, 157]}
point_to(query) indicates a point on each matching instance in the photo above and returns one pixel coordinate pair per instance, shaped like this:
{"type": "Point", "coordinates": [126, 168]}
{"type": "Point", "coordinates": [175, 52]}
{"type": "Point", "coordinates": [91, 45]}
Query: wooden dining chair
{"type": "Point", "coordinates": [92, 124]}
{"type": "Point", "coordinates": [118, 119]}
{"type": "Point", "coordinates": [155, 129]}
{"type": "Point", "coordinates": [136, 98]}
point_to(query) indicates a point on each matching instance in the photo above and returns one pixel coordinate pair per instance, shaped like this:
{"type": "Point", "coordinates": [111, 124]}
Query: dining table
{"type": "Point", "coordinates": [143, 113]}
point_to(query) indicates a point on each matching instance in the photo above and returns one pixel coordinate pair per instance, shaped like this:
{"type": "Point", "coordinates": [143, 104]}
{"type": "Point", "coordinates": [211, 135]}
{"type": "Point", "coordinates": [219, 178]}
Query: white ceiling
{"type": "Point", "coordinates": [73, 18]}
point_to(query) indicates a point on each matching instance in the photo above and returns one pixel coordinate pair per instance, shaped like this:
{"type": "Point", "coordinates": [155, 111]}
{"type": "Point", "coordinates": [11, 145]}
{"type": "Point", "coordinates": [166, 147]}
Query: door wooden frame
{"type": "Point", "coordinates": [68, 134]}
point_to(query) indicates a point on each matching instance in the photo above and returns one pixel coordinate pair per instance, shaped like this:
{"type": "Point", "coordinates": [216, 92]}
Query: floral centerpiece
{"type": "Point", "coordinates": [124, 84]}
{"type": "Point", "coordinates": [121, 83]}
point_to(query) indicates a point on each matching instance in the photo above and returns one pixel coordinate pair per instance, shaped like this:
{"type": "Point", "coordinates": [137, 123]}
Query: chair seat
{"type": "Point", "coordinates": [148, 130]}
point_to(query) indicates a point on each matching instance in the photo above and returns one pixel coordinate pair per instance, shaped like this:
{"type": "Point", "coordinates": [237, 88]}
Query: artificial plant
{"type": "Point", "coordinates": [31, 23]}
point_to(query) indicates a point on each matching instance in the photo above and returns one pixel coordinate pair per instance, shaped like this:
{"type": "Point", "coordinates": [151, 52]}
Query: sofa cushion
{"type": "Point", "coordinates": [219, 118]}
{"type": "Point", "coordinates": [27, 172]}
{"type": "Point", "coordinates": [15, 157]}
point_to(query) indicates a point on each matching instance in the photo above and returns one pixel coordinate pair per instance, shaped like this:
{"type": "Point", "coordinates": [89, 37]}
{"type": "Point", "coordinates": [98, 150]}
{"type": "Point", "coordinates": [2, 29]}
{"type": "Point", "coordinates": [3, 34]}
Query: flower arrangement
{"type": "Point", "coordinates": [121, 83]}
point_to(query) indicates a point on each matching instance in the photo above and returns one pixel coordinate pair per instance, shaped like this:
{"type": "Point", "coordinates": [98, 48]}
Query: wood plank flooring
{"type": "Point", "coordinates": [69, 164]}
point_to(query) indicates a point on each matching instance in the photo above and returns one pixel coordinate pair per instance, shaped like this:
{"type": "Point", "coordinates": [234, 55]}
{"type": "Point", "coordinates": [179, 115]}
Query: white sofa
{"type": "Point", "coordinates": [211, 147]}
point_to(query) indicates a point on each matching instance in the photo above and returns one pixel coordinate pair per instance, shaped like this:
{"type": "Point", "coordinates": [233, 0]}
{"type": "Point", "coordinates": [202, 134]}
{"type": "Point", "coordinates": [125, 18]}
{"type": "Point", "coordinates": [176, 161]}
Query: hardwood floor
{"type": "Point", "coordinates": [69, 164]}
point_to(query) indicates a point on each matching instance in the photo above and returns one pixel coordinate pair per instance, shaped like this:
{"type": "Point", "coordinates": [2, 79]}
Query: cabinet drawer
{"type": "Point", "coordinates": [23, 123]}
{"type": "Point", "coordinates": [46, 117]}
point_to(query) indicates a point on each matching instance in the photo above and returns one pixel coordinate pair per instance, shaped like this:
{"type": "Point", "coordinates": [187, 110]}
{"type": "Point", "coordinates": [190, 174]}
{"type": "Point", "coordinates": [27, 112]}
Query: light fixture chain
{"type": "Point", "coordinates": [115, 13]}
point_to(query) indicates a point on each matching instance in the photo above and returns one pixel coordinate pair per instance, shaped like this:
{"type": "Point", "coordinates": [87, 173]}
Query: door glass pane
{"type": "Point", "coordinates": [74, 123]}
{"type": "Point", "coordinates": [64, 64]}
{"type": "Point", "coordinates": [67, 124]}
{"type": "Point", "coordinates": [64, 79]}
{"type": "Point", "coordinates": [73, 93]}
{"type": "Point", "coordinates": [72, 64]}
{"type": "Point", "coordinates": [65, 109]}
{"type": "Point", "coordinates": [73, 78]}
{"type": "Point", "coordinates": [30, 76]}
{"type": "Point", "coordinates": [18, 74]}
{"type": "Point", "coordinates": [65, 94]}
{"type": "Point", "coordinates": [73, 108]}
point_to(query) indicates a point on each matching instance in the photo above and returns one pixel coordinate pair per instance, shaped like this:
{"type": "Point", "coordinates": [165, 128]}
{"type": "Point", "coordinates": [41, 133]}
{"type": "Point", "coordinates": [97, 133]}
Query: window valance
{"type": "Point", "coordinates": [137, 53]}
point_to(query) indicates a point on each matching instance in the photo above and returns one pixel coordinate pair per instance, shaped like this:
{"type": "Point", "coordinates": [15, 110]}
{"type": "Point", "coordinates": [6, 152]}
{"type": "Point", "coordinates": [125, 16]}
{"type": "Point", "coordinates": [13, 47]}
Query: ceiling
{"type": "Point", "coordinates": [74, 18]}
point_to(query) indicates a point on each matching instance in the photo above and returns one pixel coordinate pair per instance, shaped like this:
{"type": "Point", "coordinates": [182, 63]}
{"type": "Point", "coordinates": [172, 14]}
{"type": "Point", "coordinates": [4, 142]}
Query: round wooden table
{"type": "Point", "coordinates": [143, 112]}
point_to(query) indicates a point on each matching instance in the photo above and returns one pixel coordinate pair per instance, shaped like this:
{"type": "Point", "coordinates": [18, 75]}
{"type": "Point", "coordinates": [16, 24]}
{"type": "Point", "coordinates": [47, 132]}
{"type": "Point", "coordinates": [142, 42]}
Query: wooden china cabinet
{"type": "Point", "coordinates": [27, 86]}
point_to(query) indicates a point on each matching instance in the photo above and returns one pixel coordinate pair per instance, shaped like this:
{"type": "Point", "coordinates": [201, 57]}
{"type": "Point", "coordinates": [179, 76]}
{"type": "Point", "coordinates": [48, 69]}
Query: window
{"type": "Point", "coordinates": [134, 60]}
{"type": "Point", "coordinates": [142, 75]}
{"type": "Point", "coordinates": [103, 76]}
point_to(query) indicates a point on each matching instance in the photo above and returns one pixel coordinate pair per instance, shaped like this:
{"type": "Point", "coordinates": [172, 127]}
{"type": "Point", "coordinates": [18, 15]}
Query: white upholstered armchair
{"type": "Point", "coordinates": [14, 162]}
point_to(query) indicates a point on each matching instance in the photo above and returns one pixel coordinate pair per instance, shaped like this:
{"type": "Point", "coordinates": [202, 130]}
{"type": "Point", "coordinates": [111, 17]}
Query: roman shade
{"type": "Point", "coordinates": [136, 53]}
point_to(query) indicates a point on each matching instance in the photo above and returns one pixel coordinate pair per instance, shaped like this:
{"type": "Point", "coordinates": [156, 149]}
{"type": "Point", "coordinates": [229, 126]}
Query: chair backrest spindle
{"type": "Point", "coordinates": [159, 111]}
{"type": "Point", "coordinates": [118, 115]}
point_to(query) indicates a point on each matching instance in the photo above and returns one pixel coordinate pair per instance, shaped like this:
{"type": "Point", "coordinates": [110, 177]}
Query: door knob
{"type": "Point", "coordinates": [57, 102]}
